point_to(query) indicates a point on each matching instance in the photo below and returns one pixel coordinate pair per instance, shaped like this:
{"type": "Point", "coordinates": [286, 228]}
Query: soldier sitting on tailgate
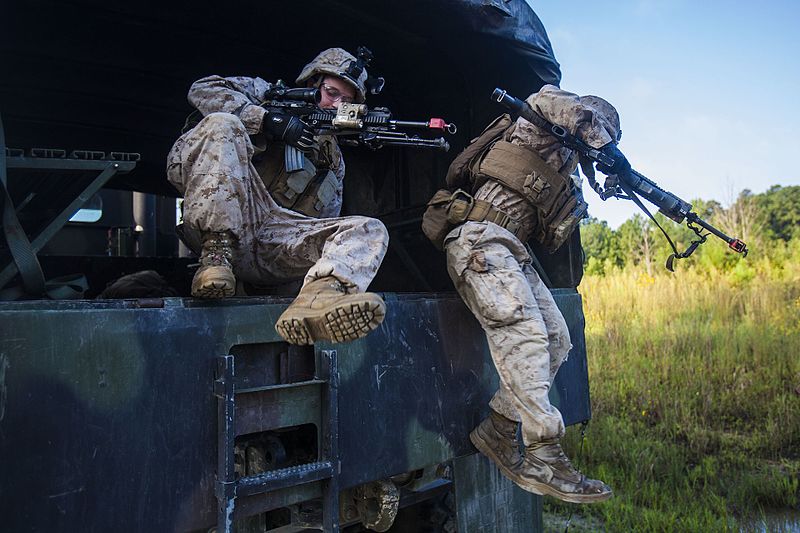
{"type": "Point", "coordinates": [254, 222]}
{"type": "Point", "coordinates": [514, 183]}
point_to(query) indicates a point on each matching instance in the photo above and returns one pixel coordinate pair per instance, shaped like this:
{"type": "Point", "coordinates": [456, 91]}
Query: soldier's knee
{"type": "Point", "coordinates": [503, 316]}
{"type": "Point", "coordinates": [374, 228]}
{"type": "Point", "coordinates": [223, 122]}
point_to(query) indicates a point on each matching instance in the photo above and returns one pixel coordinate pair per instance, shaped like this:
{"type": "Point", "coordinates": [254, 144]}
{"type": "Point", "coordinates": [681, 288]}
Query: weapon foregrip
{"type": "Point", "coordinates": [669, 204]}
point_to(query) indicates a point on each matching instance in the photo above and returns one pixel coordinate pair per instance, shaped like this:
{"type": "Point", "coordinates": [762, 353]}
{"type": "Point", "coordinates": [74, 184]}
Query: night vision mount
{"type": "Point", "coordinates": [356, 68]}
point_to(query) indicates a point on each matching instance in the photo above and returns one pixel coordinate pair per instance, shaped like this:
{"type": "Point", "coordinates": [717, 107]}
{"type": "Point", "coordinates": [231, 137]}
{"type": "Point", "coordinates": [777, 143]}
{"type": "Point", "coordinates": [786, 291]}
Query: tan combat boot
{"type": "Point", "coordinates": [496, 438]}
{"type": "Point", "coordinates": [546, 470]}
{"type": "Point", "coordinates": [543, 470]}
{"type": "Point", "coordinates": [324, 311]}
{"type": "Point", "coordinates": [214, 278]}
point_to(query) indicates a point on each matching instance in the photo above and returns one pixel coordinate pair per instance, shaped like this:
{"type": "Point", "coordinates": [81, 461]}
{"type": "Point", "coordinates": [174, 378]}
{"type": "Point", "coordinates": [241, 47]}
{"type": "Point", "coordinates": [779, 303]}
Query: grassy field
{"type": "Point", "coordinates": [695, 384]}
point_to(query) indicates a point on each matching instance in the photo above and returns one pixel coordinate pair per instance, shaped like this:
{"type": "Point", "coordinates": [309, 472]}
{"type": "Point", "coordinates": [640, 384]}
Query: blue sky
{"type": "Point", "coordinates": [708, 93]}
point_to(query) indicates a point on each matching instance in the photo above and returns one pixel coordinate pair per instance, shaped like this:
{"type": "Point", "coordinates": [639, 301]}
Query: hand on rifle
{"type": "Point", "coordinates": [289, 129]}
{"type": "Point", "coordinates": [620, 166]}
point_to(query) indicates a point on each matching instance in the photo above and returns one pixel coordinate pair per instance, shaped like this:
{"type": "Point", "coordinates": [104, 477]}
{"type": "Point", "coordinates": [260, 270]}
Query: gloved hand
{"type": "Point", "coordinates": [289, 129]}
{"type": "Point", "coordinates": [621, 165]}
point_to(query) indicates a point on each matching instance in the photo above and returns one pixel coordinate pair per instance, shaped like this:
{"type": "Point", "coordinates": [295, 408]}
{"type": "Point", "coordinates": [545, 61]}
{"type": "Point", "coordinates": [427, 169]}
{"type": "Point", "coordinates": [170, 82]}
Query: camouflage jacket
{"type": "Point", "coordinates": [242, 96]}
{"type": "Point", "coordinates": [562, 108]}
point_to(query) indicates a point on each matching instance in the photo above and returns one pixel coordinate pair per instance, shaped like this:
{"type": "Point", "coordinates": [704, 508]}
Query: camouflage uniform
{"type": "Point", "coordinates": [492, 272]}
{"type": "Point", "coordinates": [212, 165]}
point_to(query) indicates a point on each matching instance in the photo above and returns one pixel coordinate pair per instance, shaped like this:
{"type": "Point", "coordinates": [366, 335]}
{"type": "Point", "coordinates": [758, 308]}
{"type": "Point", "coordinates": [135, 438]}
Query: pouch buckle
{"type": "Point", "coordinates": [459, 207]}
{"type": "Point", "coordinates": [536, 185]}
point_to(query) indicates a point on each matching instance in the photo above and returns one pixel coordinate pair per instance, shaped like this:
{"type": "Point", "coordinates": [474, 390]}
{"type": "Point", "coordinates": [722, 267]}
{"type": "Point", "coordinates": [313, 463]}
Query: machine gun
{"type": "Point", "coordinates": [627, 185]}
{"type": "Point", "coordinates": [354, 124]}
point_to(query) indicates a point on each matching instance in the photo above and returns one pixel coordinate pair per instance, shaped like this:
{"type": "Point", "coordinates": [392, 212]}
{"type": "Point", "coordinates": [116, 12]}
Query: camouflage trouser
{"type": "Point", "coordinates": [527, 334]}
{"type": "Point", "coordinates": [222, 191]}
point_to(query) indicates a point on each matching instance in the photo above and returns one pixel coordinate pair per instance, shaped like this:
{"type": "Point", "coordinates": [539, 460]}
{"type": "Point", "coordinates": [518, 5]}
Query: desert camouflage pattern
{"type": "Point", "coordinates": [211, 165]}
{"type": "Point", "coordinates": [589, 117]}
{"type": "Point", "coordinates": [242, 97]}
{"type": "Point", "coordinates": [334, 62]}
{"type": "Point", "coordinates": [238, 95]}
{"type": "Point", "coordinates": [491, 270]}
{"type": "Point", "coordinates": [527, 335]}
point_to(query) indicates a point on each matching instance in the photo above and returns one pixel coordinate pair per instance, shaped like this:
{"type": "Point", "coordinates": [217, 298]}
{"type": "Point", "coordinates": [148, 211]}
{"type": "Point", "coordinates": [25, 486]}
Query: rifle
{"type": "Point", "coordinates": [627, 185]}
{"type": "Point", "coordinates": [352, 124]}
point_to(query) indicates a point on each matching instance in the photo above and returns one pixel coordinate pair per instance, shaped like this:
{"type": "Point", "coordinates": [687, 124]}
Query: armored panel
{"type": "Point", "coordinates": [487, 502]}
{"type": "Point", "coordinates": [109, 420]}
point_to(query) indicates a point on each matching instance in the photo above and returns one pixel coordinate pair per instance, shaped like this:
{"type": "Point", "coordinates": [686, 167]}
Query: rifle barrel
{"type": "Point", "coordinates": [409, 124]}
{"type": "Point", "coordinates": [669, 204]}
{"type": "Point", "coordinates": [735, 244]}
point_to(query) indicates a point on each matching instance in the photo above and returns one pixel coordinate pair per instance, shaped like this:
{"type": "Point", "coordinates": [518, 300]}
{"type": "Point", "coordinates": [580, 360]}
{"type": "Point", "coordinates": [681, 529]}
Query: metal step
{"type": "Point", "coordinates": [284, 477]}
{"type": "Point", "coordinates": [243, 411]}
{"type": "Point", "coordinates": [282, 386]}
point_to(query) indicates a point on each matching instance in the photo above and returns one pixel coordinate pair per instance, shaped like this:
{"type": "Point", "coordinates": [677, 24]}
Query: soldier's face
{"type": "Point", "coordinates": [334, 91]}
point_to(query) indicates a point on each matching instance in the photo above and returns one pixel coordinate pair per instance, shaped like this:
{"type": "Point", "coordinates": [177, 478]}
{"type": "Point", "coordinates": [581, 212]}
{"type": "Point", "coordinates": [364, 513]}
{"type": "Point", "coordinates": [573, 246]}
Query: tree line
{"type": "Point", "coordinates": [768, 222]}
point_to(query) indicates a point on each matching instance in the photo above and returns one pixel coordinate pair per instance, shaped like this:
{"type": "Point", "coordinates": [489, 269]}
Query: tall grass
{"type": "Point", "coordinates": [695, 384]}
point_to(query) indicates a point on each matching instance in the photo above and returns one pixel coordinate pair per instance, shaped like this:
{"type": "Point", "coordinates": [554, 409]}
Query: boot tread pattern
{"type": "Point", "coordinates": [344, 324]}
{"type": "Point", "coordinates": [213, 282]}
{"type": "Point", "coordinates": [294, 331]}
{"type": "Point", "coordinates": [213, 290]}
{"type": "Point", "coordinates": [341, 324]}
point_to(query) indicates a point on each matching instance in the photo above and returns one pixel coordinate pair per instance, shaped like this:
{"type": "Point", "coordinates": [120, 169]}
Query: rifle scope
{"type": "Point", "coordinates": [310, 95]}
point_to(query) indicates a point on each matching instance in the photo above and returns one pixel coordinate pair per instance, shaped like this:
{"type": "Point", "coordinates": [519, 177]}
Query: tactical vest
{"type": "Point", "coordinates": [558, 203]}
{"type": "Point", "coordinates": [308, 190]}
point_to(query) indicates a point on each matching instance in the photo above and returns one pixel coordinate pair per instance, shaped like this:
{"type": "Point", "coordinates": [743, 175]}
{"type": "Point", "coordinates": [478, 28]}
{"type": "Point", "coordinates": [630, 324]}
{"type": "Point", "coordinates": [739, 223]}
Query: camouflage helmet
{"type": "Point", "coordinates": [334, 62]}
{"type": "Point", "coordinates": [606, 115]}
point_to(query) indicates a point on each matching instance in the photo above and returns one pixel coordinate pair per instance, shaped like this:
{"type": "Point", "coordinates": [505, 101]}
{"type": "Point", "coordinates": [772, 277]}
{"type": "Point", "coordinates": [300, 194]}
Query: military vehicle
{"type": "Point", "coordinates": [167, 413]}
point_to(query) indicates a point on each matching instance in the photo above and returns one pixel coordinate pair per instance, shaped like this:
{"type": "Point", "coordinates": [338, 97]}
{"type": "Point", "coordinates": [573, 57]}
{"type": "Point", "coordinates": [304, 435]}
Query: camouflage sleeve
{"type": "Point", "coordinates": [565, 109]}
{"type": "Point", "coordinates": [238, 95]}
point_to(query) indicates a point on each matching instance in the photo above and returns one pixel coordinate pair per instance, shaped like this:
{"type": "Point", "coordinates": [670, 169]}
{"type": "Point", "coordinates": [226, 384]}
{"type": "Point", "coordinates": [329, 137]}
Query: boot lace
{"type": "Point", "coordinates": [216, 250]}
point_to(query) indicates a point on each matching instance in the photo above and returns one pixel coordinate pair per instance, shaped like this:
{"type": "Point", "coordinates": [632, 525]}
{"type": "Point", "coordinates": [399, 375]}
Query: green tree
{"type": "Point", "coordinates": [768, 222]}
{"type": "Point", "coordinates": [780, 207]}
{"type": "Point", "coordinates": [600, 246]}
{"type": "Point", "coordinates": [637, 241]}
{"type": "Point", "coordinates": [682, 235]}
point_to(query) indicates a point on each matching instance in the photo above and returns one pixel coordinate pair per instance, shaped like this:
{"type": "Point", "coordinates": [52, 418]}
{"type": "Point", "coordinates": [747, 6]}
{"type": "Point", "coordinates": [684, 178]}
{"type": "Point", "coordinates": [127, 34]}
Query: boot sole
{"type": "Point", "coordinates": [542, 489]}
{"type": "Point", "coordinates": [340, 323]}
{"type": "Point", "coordinates": [213, 291]}
{"type": "Point", "coordinates": [214, 283]}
